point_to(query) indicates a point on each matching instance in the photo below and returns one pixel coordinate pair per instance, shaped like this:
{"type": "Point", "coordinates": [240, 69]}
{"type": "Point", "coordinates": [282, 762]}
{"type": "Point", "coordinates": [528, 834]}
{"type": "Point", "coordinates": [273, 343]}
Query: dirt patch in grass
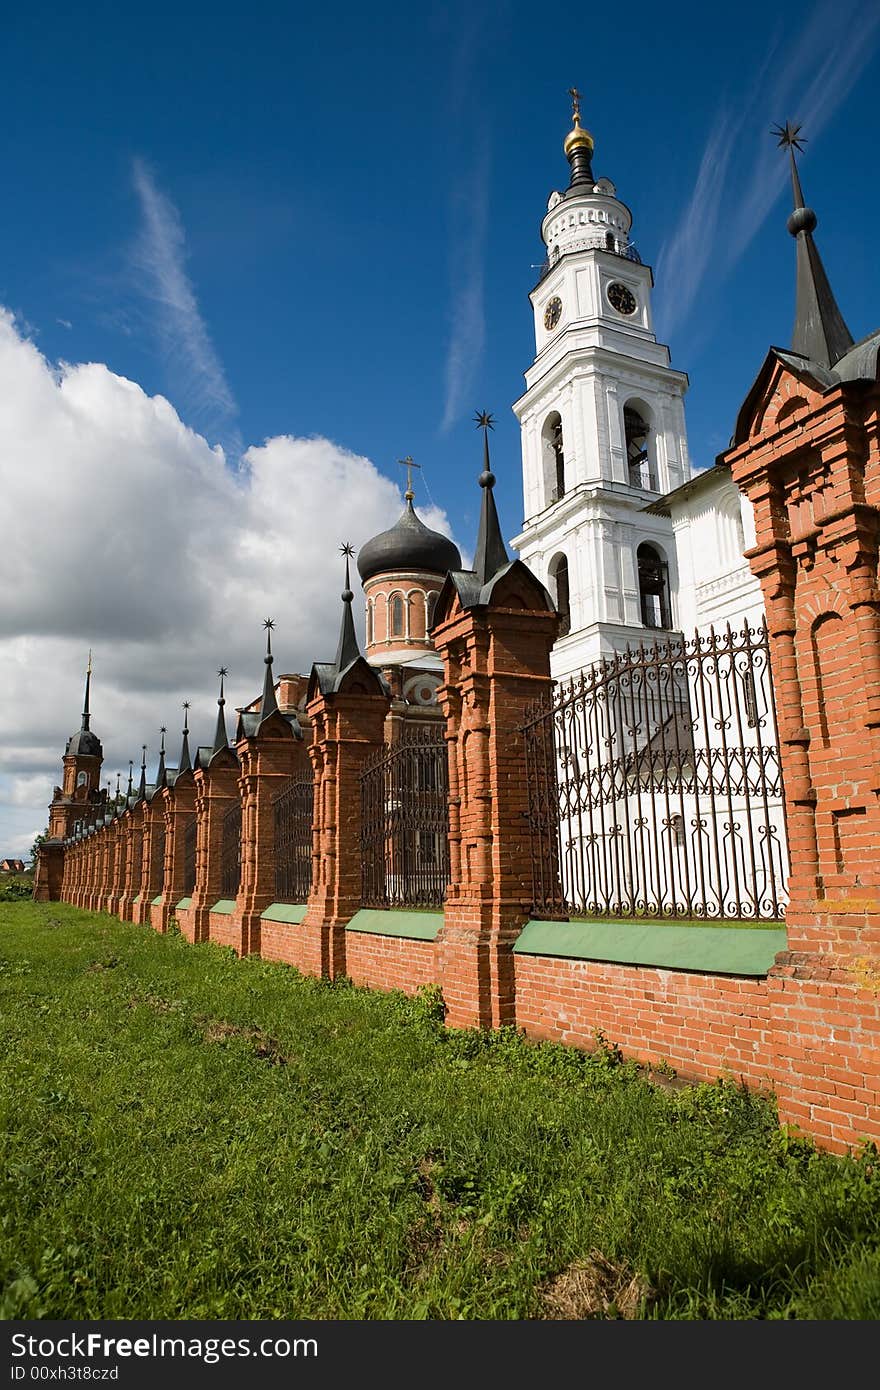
{"type": "Point", "coordinates": [595, 1288]}
{"type": "Point", "coordinates": [267, 1048]}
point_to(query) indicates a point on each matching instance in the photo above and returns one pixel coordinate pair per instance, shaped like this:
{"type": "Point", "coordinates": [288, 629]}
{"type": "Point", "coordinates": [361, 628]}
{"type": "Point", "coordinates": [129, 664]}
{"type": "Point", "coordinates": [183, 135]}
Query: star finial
{"type": "Point", "coordinates": [346, 548]}
{"type": "Point", "coordinates": [163, 729]}
{"type": "Point", "coordinates": [484, 420]}
{"type": "Point", "coordinates": [186, 704]}
{"type": "Point", "coordinates": [222, 671]}
{"type": "Point", "coordinates": [790, 136]}
{"type": "Point", "coordinates": [268, 624]}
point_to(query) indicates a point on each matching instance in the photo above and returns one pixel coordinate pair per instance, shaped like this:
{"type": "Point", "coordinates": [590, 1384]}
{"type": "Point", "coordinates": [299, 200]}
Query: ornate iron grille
{"type": "Point", "coordinates": [230, 852]}
{"type": "Point", "coordinates": [157, 869]}
{"type": "Point", "coordinates": [655, 786]}
{"type": "Point", "coordinates": [189, 858]}
{"type": "Point", "coordinates": [293, 841]}
{"type": "Point", "coordinates": [405, 823]}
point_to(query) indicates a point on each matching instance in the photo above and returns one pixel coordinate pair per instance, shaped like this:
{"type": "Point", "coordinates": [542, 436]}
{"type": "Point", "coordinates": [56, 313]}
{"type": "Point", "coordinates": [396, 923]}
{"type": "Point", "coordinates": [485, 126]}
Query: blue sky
{"type": "Point", "coordinates": [323, 221]}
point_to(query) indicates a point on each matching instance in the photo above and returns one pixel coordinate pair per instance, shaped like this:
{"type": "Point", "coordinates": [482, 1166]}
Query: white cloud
{"type": "Point", "coordinates": [158, 260]}
{"type": "Point", "coordinates": [127, 533]}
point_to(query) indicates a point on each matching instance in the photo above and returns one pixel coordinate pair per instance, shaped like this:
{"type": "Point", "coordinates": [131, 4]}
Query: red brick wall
{"type": "Point", "coordinates": [704, 1025]}
{"type": "Point", "coordinates": [389, 962]}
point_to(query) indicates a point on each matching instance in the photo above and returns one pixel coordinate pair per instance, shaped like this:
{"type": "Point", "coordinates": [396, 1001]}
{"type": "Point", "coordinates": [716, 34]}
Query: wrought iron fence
{"type": "Point", "coordinates": [293, 841]}
{"type": "Point", "coordinates": [405, 823]}
{"type": "Point", "coordinates": [655, 785]}
{"type": "Point", "coordinates": [157, 867]}
{"type": "Point", "coordinates": [230, 852]}
{"type": "Point", "coordinates": [189, 858]}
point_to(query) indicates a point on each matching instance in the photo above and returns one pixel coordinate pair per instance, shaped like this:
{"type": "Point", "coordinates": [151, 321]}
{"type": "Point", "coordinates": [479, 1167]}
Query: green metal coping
{"type": "Point", "coordinates": [284, 912]}
{"type": "Point", "coordinates": [184, 902]}
{"type": "Point", "coordinates": [226, 905]}
{"type": "Point", "coordinates": [709, 950]}
{"type": "Point", "coordinates": [417, 926]}
{"type": "Point", "coordinates": [156, 900]}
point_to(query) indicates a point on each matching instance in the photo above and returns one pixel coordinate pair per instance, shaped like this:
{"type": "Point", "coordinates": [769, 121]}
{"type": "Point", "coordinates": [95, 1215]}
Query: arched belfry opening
{"type": "Point", "coordinates": [653, 587]}
{"type": "Point", "coordinates": [637, 433]}
{"type": "Point", "coordinates": [558, 575]}
{"type": "Point", "coordinates": [554, 457]}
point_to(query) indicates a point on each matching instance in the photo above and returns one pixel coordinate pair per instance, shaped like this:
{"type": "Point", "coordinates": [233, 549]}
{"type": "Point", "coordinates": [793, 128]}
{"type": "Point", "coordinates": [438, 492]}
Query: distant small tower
{"type": "Point", "coordinates": [81, 780]}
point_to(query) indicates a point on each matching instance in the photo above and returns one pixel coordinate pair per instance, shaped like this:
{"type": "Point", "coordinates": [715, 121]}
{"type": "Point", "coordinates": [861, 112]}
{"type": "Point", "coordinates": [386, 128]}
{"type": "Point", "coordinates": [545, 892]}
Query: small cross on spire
{"type": "Point", "coordinates": [409, 464]}
{"type": "Point", "coordinates": [576, 98]}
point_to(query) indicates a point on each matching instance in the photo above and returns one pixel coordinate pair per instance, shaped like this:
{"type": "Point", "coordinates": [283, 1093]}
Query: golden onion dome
{"type": "Point", "coordinates": [577, 139]}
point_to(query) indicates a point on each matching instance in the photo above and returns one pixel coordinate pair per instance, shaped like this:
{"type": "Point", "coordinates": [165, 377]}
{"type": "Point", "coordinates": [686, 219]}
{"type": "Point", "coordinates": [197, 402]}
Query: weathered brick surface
{"type": "Point", "coordinates": [216, 791]}
{"type": "Point", "coordinates": [496, 661]}
{"type": "Point", "coordinates": [390, 962]}
{"type": "Point", "coordinates": [704, 1025]}
{"type": "Point", "coordinates": [809, 461]}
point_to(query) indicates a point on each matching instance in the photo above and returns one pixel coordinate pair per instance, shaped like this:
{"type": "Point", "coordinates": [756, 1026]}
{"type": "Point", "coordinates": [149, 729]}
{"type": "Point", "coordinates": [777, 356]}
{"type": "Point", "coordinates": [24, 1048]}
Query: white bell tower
{"type": "Point", "coordinates": [603, 428]}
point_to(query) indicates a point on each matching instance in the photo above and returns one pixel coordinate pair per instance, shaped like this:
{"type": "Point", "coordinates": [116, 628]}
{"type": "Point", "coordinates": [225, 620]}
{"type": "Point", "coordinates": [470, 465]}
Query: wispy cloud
{"type": "Point", "coordinates": [158, 258]}
{"type": "Point", "coordinates": [808, 82]}
{"type": "Point", "coordinates": [470, 212]}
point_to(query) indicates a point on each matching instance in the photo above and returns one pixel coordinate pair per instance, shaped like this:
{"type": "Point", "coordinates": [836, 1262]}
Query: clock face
{"type": "Point", "coordinates": [553, 312]}
{"type": "Point", "coordinates": [622, 299]}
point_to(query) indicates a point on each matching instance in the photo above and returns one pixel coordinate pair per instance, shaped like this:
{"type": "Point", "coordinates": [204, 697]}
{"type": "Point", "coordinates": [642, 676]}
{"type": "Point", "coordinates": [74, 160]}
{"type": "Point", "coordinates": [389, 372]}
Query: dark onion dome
{"type": "Point", "coordinates": [408, 545]}
{"type": "Point", "coordinates": [85, 744]}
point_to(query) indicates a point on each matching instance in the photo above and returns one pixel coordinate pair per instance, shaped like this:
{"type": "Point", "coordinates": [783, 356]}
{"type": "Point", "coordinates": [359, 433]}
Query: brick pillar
{"type": "Point", "coordinates": [348, 724]}
{"type": "Point", "coordinates": [105, 849]}
{"type": "Point", "coordinates": [133, 831]}
{"type": "Point", "coordinates": [119, 830]}
{"type": "Point", "coordinates": [152, 819]}
{"type": "Point", "coordinates": [496, 659]}
{"type": "Point", "coordinates": [269, 758]}
{"type": "Point", "coordinates": [216, 790]}
{"type": "Point", "coordinates": [809, 461]}
{"type": "Point", "coordinates": [177, 804]}
{"type": "Point", "coordinates": [49, 872]}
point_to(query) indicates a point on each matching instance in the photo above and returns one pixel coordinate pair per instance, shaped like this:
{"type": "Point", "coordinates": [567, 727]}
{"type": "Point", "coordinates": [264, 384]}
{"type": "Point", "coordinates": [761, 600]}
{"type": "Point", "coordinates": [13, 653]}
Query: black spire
{"type": "Point", "coordinates": [579, 147]}
{"type": "Point", "coordinates": [819, 331]}
{"type": "Point", "coordinates": [491, 554]}
{"type": "Point", "coordinates": [161, 779]}
{"type": "Point", "coordinates": [220, 737]}
{"type": "Point", "coordinates": [142, 785]}
{"type": "Point", "coordinates": [270, 704]}
{"type": "Point", "coordinates": [85, 713]}
{"type": "Point", "coordinates": [130, 781]}
{"type": "Point", "coordinates": [347, 650]}
{"type": "Point", "coordinates": [185, 762]}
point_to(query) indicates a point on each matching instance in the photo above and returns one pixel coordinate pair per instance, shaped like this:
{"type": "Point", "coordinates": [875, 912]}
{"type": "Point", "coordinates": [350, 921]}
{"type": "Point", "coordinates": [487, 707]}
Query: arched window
{"type": "Point", "coordinates": [369, 622]}
{"type": "Point", "coordinates": [559, 585]}
{"type": "Point", "coordinates": [610, 243]}
{"type": "Point", "coordinates": [638, 457]}
{"type": "Point", "coordinates": [653, 587]}
{"type": "Point", "coordinates": [82, 778]}
{"type": "Point", "coordinates": [554, 457]}
{"type": "Point", "coordinates": [397, 618]}
{"type": "Point", "coordinates": [431, 605]}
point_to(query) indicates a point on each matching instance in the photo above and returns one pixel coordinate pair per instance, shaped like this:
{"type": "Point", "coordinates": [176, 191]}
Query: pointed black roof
{"type": "Point", "coordinates": [819, 332]}
{"type": "Point", "coordinates": [327, 676]}
{"type": "Point", "coordinates": [142, 785]}
{"type": "Point", "coordinates": [491, 553]}
{"type": "Point", "coordinates": [268, 704]}
{"type": "Point", "coordinates": [347, 649]}
{"type": "Point", "coordinates": [185, 764]}
{"type": "Point", "coordinates": [221, 738]}
{"type": "Point", "coordinates": [84, 743]}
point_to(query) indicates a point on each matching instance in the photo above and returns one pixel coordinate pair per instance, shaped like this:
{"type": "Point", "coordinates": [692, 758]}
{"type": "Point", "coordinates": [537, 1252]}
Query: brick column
{"type": "Point", "coordinates": [131, 887]}
{"type": "Point", "coordinates": [268, 758]}
{"type": "Point", "coordinates": [49, 872]}
{"type": "Point", "coordinates": [348, 723]}
{"type": "Point", "coordinates": [152, 877]}
{"type": "Point", "coordinates": [216, 790]}
{"type": "Point", "coordinates": [177, 804]}
{"type": "Point", "coordinates": [496, 658]}
{"type": "Point", "coordinates": [120, 829]}
{"type": "Point", "coordinates": [808, 458]}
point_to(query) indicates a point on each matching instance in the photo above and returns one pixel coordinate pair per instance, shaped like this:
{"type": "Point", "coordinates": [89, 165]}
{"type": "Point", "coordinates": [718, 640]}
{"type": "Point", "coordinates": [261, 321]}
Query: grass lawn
{"type": "Point", "coordinates": [189, 1135]}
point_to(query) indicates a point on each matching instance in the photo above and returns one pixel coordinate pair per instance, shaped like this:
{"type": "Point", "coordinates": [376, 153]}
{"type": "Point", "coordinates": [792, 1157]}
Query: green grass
{"type": "Point", "coordinates": [189, 1135]}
